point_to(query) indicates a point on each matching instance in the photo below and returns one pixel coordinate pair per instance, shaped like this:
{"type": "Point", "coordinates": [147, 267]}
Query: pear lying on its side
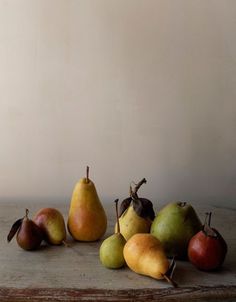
{"type": "Point", "coordinates": [145, 255]}
{"type": "Point", "coordinates": [52, 223]}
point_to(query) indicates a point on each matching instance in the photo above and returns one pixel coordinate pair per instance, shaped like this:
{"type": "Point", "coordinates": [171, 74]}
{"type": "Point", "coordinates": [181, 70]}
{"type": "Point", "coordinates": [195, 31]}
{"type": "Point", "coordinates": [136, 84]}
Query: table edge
{"type": "Point", "coordinates": [93, 294]}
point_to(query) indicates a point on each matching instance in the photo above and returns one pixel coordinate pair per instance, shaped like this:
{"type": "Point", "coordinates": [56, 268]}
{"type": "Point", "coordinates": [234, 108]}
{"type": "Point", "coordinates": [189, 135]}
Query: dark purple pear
{"type": "Point", "coordinates": [29, 236]}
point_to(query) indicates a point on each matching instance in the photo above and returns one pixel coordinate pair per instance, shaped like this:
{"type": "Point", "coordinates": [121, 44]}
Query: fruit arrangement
{"type": "Point", "coordinates": [143, 241]}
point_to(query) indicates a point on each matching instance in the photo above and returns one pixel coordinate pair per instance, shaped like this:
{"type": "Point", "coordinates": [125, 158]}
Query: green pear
{"type": "Point", "coordinates": [111, 250]}
{"type": "Point", "coordinates": [174, 226]}
{"type": "Point", "coordinates": [136, 214]}
{"type": "Point", "coordinates": [52, 223]}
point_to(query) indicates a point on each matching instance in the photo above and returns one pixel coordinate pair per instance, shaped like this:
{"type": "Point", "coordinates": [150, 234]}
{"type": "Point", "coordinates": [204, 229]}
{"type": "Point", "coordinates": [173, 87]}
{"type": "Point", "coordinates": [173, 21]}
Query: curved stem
{"type": "Point", "coordinates": [136, 188]}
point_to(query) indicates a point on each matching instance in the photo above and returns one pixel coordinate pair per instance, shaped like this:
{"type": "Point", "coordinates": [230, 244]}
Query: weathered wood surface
{"type": "Point", "coordinates": [57, 273]}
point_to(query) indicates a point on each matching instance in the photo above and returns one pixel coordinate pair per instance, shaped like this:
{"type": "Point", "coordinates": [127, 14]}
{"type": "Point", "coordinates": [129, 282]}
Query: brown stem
{"type": "Point", "coordinates": [117, 216]}
{"type": "Point", "coordinates": [136, 188]}
{"type": "Point", "coordinates": [207, 214]}
{"type": "Point", "coordinates": [130, 191]}
{"type": "Point", "coordinates": [169, 280]}
{"type": "Point", "coordinates": [87, 174]}
{"type": "Point", "coordinates": [26, 213]}
{"type": "Point", "coordinates": [209, 219]}
{"type": "Point", "coordinates": [66, 244]}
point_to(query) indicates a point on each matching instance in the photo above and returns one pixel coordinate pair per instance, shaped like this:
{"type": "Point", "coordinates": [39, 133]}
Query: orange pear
{"type": "Point", "coordinates": [145, 255]}
{"type": "Point", "coordinates": [87, 219]}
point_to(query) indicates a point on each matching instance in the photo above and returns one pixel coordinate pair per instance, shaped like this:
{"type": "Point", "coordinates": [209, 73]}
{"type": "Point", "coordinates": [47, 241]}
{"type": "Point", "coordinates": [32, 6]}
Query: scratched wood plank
{"type": "Point", "coordinates": [58, 273]}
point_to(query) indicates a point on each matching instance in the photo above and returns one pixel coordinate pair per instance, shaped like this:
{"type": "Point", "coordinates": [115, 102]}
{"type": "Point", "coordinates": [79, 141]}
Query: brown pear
{"type": "Point", "coordinates": [29, 235]}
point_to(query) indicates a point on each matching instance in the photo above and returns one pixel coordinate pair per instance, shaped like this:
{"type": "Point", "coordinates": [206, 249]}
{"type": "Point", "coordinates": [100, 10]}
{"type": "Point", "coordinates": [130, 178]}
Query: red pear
{"type": "Point", "coordinates": [207, 249]}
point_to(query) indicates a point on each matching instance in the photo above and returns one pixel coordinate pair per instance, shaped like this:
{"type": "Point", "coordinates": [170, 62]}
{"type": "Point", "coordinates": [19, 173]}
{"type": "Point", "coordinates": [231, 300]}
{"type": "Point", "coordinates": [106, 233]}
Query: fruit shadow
{"type": "Point", "coordinates": [76, 246]}
{"type": "Point", "coordinates": [44, 246]}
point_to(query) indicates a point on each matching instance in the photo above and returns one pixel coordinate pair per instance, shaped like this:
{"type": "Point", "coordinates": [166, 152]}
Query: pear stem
{"type": "Point", "coordinates": [209, 219]}
{"type": "Point", "coordinates": [117, 216]}
{"type": "Point", "coordinates": [130, 191]}
{"type": "Point", "coordinates": [87, 174]}
{"type": "Point", "coordinates": [169, 280]}
{"type": "Point", "coordinates": [66, 244]}
{"type": "Point", "coordinates": [136, 188]}
{"type": "Point", "coordinates": [207, 214]}
{"type": "Point", "coordinates": [26, 213]}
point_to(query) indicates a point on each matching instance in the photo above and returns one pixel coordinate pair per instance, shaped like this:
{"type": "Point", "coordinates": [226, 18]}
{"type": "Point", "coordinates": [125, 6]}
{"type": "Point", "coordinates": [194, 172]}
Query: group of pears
{"type": "Point", "coordinates": [141, 240]}
{"type": "Point", "coordinates": [48, 224]}
{"type": "Point", "coordinates": [144, 241]}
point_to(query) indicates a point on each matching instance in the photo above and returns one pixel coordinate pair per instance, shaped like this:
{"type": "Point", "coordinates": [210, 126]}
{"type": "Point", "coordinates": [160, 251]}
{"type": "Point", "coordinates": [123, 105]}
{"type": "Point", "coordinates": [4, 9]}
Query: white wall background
{"type": "Point", "coordinates": [133, 88]}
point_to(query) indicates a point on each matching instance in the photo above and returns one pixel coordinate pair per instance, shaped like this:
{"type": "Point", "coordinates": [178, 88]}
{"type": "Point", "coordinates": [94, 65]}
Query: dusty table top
{"type": "Point", "coordinates": [58, 273]}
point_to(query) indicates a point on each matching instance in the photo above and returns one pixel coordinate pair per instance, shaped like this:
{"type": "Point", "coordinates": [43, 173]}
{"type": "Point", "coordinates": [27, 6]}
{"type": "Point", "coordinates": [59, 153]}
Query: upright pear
{"type": "Point", "coordinates": [111, 250]}
{"type": "Point", "coordinates": [174, 226]}
{"type": "Point", "coordinates": [52, 224]}
{"type": "Point", "coordinates": [145, 255]}
{"type": "Point", "coordinates": [136, 213]}
{"type": "Point", "coordinates": [87, 219]}
{"type": "Point", "coordinates": [28, 234]}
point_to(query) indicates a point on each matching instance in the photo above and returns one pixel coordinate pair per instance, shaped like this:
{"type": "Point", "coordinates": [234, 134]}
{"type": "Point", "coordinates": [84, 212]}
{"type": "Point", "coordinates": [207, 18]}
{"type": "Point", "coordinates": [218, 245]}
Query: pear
{"type": "Point", "coordinates": [136, 214]}
{"type": "Point", "coordinates": [207, 249]}
{"type": "Point", "coordinates": [111, 250]}
{"type": "Point", "coordinates": [52, 223]}
{"type": "Point", "coordinates": [174, 226]}
{"type": "Point", "coordinates": [29, 235]}
{"type": "Point", "coordinates": [87, 219]}
{"type": "Point", "coordinates": [145, 255]}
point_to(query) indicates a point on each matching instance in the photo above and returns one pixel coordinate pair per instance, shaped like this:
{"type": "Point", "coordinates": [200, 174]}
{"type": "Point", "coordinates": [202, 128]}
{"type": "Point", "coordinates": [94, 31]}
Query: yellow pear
{"type": "Point", "coordinates": [87, 219]}
{"type": "Point", "coordinates": [131, 223]}
{"type": "Point", "coordinates": [145, 255]}
{"type": "Point", "coordinates": [52, 224]}
{"type": "Point", "coordinates": [136, 213]}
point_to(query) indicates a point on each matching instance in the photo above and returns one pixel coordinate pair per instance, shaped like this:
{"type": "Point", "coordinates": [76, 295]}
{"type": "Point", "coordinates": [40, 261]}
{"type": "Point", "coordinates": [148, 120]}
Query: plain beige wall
{"type": "Point", "coordinates": [133, 88]}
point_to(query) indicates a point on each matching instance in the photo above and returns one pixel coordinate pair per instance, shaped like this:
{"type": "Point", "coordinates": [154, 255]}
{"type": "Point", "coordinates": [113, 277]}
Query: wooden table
{"type": "Point", "coordinates": [57, 273]}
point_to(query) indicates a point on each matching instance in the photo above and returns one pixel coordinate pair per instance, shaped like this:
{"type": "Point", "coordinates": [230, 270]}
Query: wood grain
{"type": "Point", "coordinates": [57, 273]}
{"type": "Point", "coordinates": [90, 294]}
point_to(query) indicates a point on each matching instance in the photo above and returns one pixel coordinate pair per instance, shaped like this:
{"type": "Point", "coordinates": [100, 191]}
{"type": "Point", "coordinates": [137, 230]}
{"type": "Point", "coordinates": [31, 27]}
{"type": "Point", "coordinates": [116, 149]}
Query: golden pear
{"type": "Point", "coordinates": [131, 223]}
{"type": "Point", "coordinates": [87, 219]}
{"type": "Point", "coordinates": [144, 255]}
{"type": "Point", "coordinates": [136, 213]}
